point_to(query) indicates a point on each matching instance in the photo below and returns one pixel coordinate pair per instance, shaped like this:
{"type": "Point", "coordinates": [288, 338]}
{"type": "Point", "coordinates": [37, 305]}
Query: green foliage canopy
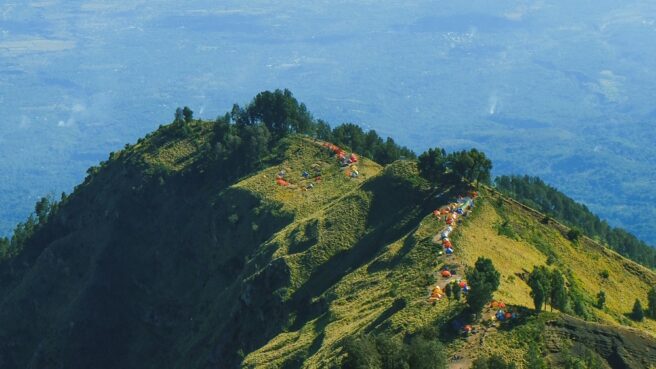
{"type": "Point", "coordinates": [637, 314]}
{"type": "Point", "coordinates": [483, 280]}
{"type": "Point", "coordinates": [651, 303]}
{"type": "Point", "coordinates": [540, 282]}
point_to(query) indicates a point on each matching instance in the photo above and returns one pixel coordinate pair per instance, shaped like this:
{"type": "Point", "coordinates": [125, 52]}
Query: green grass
{"type": "Point", "coordinates": [386, 290]}
{"type": "Point", "coordinates": [274, 276]}
{"type": "Point", "coordinates": [367, 268]}
{"type": "Point", "coordinates": [531, 244]}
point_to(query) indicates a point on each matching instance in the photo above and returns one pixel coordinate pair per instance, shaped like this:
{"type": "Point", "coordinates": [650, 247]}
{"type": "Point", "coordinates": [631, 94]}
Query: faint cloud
{"type": "Point", "coordinates": [77, 111]}
{"type": "Point", "coordinates": [609, 85]}
{"type": "Point", "coordinates": [25, 122]}
{"type": "Point", "coordinates": [108, 6]}
{"type": "Point", "coordinates": [77, 108]}
{"type": "Point", "coordinates": [6, 10]}
{"type": "Point", "coordinates": [70, 122]}
{"type": "Point", "coordinates": [492, 103]}
{"type": "Point", "coordinates": [31, 45]}
{"type": "Point", "coordinates": [515, 15]}
{"type": "Point", "coordinates": [42, 4]}
{"type": "Point", "coordinates": [518, 13]}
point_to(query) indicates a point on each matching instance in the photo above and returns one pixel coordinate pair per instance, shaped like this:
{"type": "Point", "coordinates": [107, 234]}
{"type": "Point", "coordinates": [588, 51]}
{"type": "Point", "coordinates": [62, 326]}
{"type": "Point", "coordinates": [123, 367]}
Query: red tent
{"type": "Point", "coordinates": [282, 182]}
{"type": "Point", "coordinates": [462, 284]}
{"type": "Point", "coordinates": [508, 316]}
{"type": "Point", "coordinates": [353, 158]}
{"type": "Point", "coordinates": [446, 243]}
{"type": "Point", "coordinates": [446, 274]}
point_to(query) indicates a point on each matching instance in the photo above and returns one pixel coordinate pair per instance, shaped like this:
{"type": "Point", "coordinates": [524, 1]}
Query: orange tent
{"type": "Point", "coordinates": [446, 274]}
{"type": "Point", "coordinates": [282, 182]}
{"type": "Point", "coordinates": [462, 284]}
{"type": "Point", "coordinates": [446, 243]}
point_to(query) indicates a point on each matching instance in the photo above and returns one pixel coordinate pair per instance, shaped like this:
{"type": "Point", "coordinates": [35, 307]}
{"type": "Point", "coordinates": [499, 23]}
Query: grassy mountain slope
{"type": "Point", "coordinates": [190, 272]}
{"type": "Point", "coordinates": [377, 276]}
{"type": "Point", "coordinates": [516, 238]}
{"type": "Point", "coordinates": [163, 258]}
{"type": "Point", "coordinates": [526, 242]}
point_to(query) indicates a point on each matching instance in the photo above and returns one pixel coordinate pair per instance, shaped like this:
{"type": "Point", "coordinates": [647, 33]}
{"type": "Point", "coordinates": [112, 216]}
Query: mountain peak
{"type": "Point", "coordinates": [225, 244]}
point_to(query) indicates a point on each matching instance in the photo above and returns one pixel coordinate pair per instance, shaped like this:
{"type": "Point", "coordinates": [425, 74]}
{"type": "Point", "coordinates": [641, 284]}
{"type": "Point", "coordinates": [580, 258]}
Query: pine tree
{"type": "Point", "coordinates": [179, 117]}
{"type": "Point", "coordinates": [188, 114]}
{"type": "Point", "coordinates": [448, 291]}
{"type": "Point", "coordinates": [637, 314]}
{"type": "Point", "coordinates": [651, 303]}
{"type": "Point", "coordinates": [432, 164]}
{"type": "Point", "coordinates": [43, 208]}
{"type": "Point", "coordinates": [601, 299]}
{"type": "Point", "coordinates": [456, 290]}
{"type": "Point", "coordinates": [558, 291]}
{"type": "Point", "coordinates": [534, 359]}
{"type": "Point", "coordinates": [483, 280]}
{"type": "Point", "coordinates": [361, 353]}
{"type": "Point", "coordinates": [540, 284]}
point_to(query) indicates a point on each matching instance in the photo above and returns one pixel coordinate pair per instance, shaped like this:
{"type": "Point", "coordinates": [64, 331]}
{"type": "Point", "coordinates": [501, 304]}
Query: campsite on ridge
{"type": "Point", "coordinates": [268, 239]}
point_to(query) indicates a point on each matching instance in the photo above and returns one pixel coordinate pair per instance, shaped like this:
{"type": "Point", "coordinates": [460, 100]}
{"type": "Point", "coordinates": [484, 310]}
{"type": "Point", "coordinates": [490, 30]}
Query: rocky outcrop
{"type": "Point", "coordinates": [621, 348]}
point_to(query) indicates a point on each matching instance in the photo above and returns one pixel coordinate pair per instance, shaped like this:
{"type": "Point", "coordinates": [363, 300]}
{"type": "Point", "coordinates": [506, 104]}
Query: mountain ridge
{"type": "Point", "coordinates": [178, 253]}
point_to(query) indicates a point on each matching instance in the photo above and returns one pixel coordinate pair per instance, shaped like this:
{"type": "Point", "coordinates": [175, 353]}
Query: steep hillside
{"type": "Point", "coordinates": [157, 260]}
{"type": "Point", "coordinates": [518, 238]}
{"type": "Point", "coordinates": [179, 253]}
{"type": "Point", "coordinates": [539, 195]}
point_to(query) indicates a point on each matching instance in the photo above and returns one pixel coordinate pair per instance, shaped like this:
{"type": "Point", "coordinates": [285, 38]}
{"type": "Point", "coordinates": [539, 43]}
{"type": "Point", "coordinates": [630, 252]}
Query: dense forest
{"type": "Point", "coordinates": [539, 195]}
